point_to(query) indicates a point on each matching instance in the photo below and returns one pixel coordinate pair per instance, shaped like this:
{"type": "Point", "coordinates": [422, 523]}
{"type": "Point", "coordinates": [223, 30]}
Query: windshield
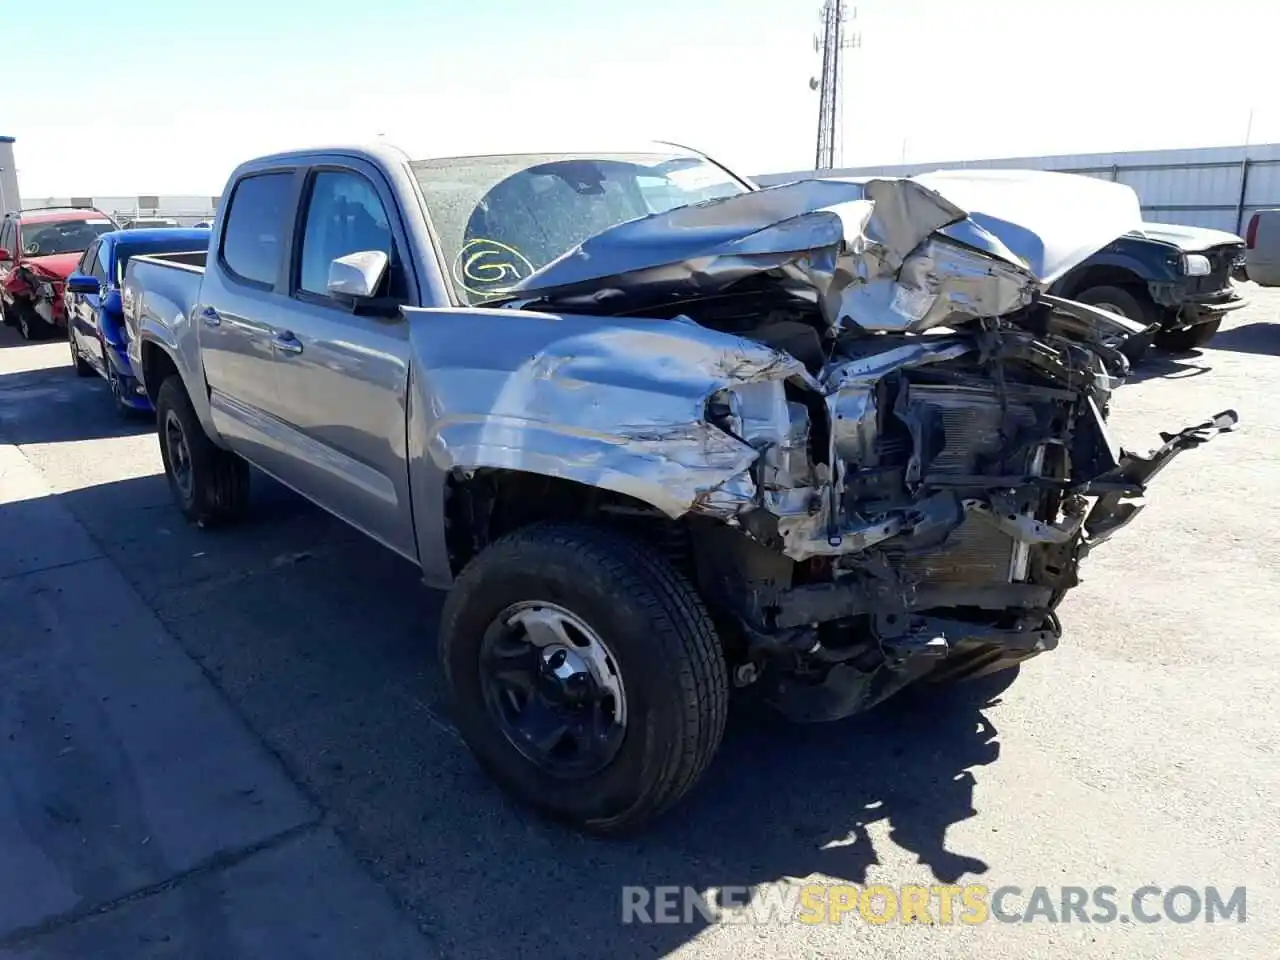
{"type": "Point", "coordinates": [61, 236]}
{"type": "Point", "coordinates": [500, 218]}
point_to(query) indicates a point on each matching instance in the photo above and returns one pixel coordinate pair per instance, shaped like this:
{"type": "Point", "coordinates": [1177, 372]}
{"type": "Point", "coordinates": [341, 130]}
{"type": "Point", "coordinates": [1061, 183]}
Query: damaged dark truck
{"type": "Point", "coordinates": [661, 434]}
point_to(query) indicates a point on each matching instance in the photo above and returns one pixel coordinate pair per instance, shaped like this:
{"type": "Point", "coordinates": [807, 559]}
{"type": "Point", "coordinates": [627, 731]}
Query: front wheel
{"type": "Point", "coordinates": [1188, 338]}
{"type": "Point", "coordinates": [209, 484]}
{"type": "Point", "coordinates": [585, 673]}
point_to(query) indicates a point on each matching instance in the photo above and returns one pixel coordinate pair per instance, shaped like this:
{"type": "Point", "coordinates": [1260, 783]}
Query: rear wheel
{"type": "Point", "coordinates": [1188, 338]}
{"type": "Point", "coordinates": [83, 367]}
{"type": "Point", "coordinates": [209, 484]}
{"type": "Point", "coordinates": [585, 673]}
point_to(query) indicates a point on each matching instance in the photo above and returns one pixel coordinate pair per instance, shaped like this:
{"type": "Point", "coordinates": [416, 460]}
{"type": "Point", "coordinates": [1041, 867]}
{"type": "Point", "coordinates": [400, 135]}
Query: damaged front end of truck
{"type": "Point", "coordinates": [900, 455]}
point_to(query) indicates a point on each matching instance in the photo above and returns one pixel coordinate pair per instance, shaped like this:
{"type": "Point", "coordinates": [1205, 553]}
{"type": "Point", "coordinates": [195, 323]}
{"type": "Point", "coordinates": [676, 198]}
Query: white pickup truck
{"type": "Point", "coordinates": [660, 433]}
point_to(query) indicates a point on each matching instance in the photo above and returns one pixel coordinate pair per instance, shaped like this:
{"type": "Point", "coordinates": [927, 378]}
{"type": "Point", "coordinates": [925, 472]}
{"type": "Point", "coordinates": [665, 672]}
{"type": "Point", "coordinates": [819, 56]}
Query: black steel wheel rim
{"type": "Point", "coordinates": [175, 440]}
{"type": "Point", "coordinates": [553, 688]}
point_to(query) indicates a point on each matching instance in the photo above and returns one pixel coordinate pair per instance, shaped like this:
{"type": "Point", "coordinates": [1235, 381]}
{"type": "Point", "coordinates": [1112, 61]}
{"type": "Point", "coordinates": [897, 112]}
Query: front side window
{"type": "Point", "coordinates": [6, 237]}
{"type": "Point", "coordinates": [253, 241]}
{"type": "Point", "coordinates": [61, 236]}
{"type": "Point", "coordinates": [500, 218]}
{"type": "Point", "coordinates": [344, 216]}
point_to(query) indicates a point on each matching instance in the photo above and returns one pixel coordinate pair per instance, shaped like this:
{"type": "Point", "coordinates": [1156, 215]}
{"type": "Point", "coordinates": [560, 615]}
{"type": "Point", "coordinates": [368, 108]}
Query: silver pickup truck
{"type": "Point", "coordinates": [661, 433]}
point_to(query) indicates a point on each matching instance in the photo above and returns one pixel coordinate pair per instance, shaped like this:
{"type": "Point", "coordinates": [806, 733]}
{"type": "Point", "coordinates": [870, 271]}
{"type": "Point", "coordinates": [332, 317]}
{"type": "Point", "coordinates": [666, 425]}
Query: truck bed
{"type": "Point", "coordinates": [159, 290]}
{"type": "Point", "coordinates": [195, 260]}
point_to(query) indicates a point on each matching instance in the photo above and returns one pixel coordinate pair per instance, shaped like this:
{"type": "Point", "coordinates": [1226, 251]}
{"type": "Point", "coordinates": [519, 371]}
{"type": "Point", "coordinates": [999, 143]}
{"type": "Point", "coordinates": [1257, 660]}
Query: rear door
{"type": "Point", "coordinates": [243, 292]}
{"type": "Point", "coordinates": [342, 377]}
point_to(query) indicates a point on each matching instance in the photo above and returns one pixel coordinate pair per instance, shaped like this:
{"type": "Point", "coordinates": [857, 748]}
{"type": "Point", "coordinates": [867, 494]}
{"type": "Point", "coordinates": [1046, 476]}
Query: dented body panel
{"type": "Point", "coordinates": [881, 443]}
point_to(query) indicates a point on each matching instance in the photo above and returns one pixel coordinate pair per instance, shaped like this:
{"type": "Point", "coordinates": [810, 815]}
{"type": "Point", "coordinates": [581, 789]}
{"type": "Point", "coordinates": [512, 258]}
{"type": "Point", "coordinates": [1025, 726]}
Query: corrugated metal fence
{"type": "Point", "coordinates": [1218, 187]}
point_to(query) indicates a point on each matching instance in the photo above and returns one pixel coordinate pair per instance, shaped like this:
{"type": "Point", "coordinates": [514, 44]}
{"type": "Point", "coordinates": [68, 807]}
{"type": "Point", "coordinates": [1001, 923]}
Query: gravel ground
{"type": "Point", "coordinates": [1140, 752]}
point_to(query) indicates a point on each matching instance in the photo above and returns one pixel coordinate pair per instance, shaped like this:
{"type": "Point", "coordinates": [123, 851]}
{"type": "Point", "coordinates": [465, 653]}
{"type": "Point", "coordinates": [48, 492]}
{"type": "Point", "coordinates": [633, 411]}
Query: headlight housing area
{"type": "Point", "coordinates": [44, 289]}
{"type": "Point", "coordinates": [1196, 265]}
{"type": "Point", "coordinates": [761, 415]}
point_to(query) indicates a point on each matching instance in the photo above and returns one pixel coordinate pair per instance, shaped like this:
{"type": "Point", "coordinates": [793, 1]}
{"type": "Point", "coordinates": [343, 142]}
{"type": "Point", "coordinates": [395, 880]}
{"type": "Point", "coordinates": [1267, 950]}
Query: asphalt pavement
{"type": "Point", "coordinates": [233, 744]}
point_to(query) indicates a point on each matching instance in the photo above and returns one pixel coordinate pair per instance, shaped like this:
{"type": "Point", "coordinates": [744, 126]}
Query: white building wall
{"type": "Point", "coordinates": [1198, 187]}
{"type": "Point", "coordinates": [9, 199]}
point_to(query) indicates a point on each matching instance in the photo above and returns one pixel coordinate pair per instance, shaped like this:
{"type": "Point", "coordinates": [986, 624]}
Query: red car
{"type": "Point", "coordinates": [39, 249]}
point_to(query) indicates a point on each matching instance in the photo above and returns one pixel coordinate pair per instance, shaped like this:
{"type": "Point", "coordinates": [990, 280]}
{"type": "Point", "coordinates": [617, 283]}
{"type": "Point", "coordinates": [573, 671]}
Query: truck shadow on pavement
{"type": "Point", "coordinates": [1167, 366]}
{"type": "Point", "coordinates": [1260, 338]}
{"type": "Point", "coordinates": [325, 643]}
{"type": "Point", "coordinates": [53, 405]}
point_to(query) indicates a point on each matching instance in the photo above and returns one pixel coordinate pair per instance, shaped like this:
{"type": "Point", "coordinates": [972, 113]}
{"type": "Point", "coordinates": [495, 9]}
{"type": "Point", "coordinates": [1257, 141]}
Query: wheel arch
{"type": "Point", "coordinates": [1103, 275]}
{"type": "Point", "coordinates": [160, 360]}
{"type": "Point", "coordinates": [485, 504]}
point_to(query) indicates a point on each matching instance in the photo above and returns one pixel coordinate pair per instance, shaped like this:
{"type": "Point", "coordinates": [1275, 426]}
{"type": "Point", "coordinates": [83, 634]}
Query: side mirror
{"type": "Point", "coordinates": [358, 275]}
{"type": "Point", "coordinates": [5, 256]}
{"type": "Point", "coordinates": [83, 283]}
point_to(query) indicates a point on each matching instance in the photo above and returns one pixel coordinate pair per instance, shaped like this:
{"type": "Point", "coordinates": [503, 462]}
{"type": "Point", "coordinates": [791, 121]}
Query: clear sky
{"type": "Point", "coordinates": [166, 96]}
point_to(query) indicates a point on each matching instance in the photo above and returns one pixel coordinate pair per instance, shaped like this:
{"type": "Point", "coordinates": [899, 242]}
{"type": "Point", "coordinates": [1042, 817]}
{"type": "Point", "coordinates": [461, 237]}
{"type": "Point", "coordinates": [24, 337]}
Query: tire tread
{"type": "Point", "coordinates": [681, 630]}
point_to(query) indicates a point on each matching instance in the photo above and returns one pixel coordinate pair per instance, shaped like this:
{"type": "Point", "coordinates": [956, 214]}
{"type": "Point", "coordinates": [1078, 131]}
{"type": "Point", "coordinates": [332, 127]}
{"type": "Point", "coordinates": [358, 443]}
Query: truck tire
{"type": "Point", "coordinates": [1188, 338]}
{"type": "Point", "coordinates": [1119, 300]}
{"type": "Point", "coordinates": [585, 673]}
{"type": "Point", "coordinates": [209, 484]}
{"type": "Point", "coordinates": [1126, 303]}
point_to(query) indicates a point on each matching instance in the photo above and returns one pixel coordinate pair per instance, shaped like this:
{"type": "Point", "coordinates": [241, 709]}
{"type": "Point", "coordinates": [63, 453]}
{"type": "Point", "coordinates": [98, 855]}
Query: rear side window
{"type": "Point", "coordinates": [99, 265]}
{"type": "Point", "coordinates": [253, 241]}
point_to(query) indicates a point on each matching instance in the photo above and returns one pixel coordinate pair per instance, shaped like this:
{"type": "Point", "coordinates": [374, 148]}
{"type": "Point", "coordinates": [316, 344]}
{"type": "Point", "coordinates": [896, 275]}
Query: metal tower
{"type": "Point", "coordinates": [830, 43]}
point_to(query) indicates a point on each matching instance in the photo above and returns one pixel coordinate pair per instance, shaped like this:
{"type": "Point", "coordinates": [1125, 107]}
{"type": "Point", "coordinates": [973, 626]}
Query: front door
{"type": "Point", "coordinates": [83, 308]}
{"type": "Point", "coordinates": [341, 377]}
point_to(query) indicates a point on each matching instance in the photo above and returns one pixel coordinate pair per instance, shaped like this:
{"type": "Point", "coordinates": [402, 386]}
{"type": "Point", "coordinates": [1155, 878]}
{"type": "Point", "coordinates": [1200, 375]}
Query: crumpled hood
{"type": "Point", "coordinates": [1188, 239]}
{"type": "Point", "coordinates": [892, 254]}
{"type": "Point", "coordinates": [56, 266]}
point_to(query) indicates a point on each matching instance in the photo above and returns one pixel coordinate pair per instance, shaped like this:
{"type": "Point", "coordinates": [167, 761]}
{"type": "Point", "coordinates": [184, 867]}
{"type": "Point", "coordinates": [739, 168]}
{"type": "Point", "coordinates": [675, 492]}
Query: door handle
{"type": "Point", "coordinates": [286, 342]}
{"type": "Point", "coordinates": [210, 317]}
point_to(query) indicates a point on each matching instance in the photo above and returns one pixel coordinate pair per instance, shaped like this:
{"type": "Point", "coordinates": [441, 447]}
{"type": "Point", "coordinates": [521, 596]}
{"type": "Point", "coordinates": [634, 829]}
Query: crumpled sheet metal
{"type": "Point", "coordinates": [614, 403]}
{"type": "Point", "coordinates": [892, 255]}
{"type": "Point", "coordinates": [941, 283]}
{"type": "Point", "coordinates": [1050, 221]}
{"type": "Point", "coordinates": [561, 395]}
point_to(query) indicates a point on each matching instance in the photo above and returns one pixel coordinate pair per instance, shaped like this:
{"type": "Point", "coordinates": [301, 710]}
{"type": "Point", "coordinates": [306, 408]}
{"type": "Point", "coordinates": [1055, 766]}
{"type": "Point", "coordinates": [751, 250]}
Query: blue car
{"type": "Point", "coordinates": [95, 322]}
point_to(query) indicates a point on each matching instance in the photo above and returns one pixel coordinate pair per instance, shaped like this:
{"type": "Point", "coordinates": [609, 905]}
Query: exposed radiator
{"type": "Point", "coordinates": [976, 552]}
{"type": "Point", "coordinates": [963, 436]}
{"type": "Point", "coordinates": [964, 425]}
